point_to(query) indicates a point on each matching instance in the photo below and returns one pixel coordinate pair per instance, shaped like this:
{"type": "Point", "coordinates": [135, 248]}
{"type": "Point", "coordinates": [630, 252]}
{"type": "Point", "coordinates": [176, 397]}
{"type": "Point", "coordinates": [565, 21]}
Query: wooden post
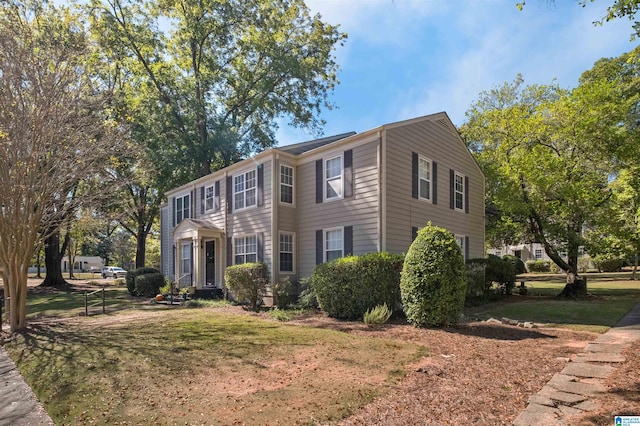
{"type": "Point", "coordinates": [86, 304]}
{"type": "Point", "coordinates": [104, 309]}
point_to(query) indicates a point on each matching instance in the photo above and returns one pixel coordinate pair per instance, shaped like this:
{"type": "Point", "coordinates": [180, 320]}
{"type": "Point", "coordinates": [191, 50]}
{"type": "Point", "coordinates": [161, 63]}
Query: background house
{"type": "Point", "coordinates": [299, 205]}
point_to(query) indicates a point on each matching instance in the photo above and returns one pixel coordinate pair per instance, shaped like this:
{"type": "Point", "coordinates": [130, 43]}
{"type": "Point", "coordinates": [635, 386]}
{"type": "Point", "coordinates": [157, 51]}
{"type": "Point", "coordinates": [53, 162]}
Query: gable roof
{"type": "Point", "coordinates": [302, 147]}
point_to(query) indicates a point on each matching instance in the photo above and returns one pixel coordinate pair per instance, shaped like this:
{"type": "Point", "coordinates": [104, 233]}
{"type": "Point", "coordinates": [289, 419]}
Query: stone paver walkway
{"type": "Point", "coordinates": [568, 392]}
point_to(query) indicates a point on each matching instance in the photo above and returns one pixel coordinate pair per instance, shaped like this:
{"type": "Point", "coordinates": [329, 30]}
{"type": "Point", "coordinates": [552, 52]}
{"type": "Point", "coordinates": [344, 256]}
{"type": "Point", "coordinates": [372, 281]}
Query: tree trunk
{"type": "Point", "coordinates": [141, 247]}
{"type": "Point", "coordinates": [39, 264]}
{"type": "Point", "coordinates": [15, 280]}
{"type": "Point", "coordinates": [575, 286]}
{"type": "Point", "coordinates": [52, 260]}
{"type": "Point", "coordinates": [635, 266]}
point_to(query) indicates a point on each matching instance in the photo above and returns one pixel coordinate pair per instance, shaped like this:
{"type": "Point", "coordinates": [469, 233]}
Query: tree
{"type": "Point", "coordinates": [546, 153]}
{"type": "Point", "coordinates": [52, 134]}
{"type": "Point", "coordinates": [208, 90]}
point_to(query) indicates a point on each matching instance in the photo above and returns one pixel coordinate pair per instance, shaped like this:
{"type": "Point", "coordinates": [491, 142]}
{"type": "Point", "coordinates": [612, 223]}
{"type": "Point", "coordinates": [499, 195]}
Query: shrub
{"type": "Point", "coordinates": [130, 278]}
{"type": "Point", "coordinates": [538, 266]}
{"type": "Point", "coordinates": [433, 283]}
{"type": "Point", "coordinates": [584, 263]}
{"type": "Point", "coordinates": [248, 282]}
{"type": "Point", "coordinates": [608, 263]}
{"type": "Point", "coordinates": [476, 282]}
{"type": "Point", "coordinates": [148, 285]}
{"type": "Point", "coordinates": [347, 287]}
{"type": "Point", "coordinates": [378, 315]}
{"type": "Point", "coordinates": [307, 297]}
{"type": "Point", "coordinates": [518, 264]}
{"type": "Point", "coordinates": [501, 272]}
{"type": "Point", "coordinates": [554, 269]}
{"type": "Point", "coordinates": [166, 288]}
{"type": "Point", "coordinates": [284, 292]}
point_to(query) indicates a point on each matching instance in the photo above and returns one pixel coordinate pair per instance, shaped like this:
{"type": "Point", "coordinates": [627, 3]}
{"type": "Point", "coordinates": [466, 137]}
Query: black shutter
{"type": "Point", "coordinates": [348, 173]}
{"type": "Point", "coordinates": [191, 277]}
{"type": "Point", "coordinates": [260, 195]}
{"type": "Point", "coordinates": [319, 247]}
{"type": "Point", "coordinates": [452, 190]}
{"type": "Point", "coordinates": [348, 240]}
{"type": "Point", "coordinates": [319, 179]}
{"type": "Point", "coordinates": [434, 182]}
{"type": "Point", "coordinates": [216, 197]}
{"type": "Point", "coordinates": [466, 194]}
{"type": "Point", "coordinates": [229, 252]}
{"type": "Point", "coordinates": [202, 200]}
{"type": "Point", "coordinates": [173, 211]}
{"type": "Point", "coordinates": [192, 210]}
{"type": "Point", "coordinates": [466, 248]}
{"type": "Point", "coordinates": [260, 241]}
{"type": "Point", "coordinates": [414, 175]}
{"type": "Point", "coordinates": [229, 189]}
{"type": "Point", "coordinates": [414, 233]}
{"type": "Point", "coordinates": [172, 267]}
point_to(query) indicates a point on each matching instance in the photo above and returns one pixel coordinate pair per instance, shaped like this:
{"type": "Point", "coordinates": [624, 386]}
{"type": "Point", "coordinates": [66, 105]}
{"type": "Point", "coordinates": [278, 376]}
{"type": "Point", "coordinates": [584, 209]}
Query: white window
{"type": "Point", "coordinates": [209, 198]}
{"type": "Point", "coordinates": [183, 208]}
{"type": "Point", "coordinates": [498, 253]}
{"type": "Point", "coordinates": [459, 191]}
{"type": "Point", "coordinates": [185, 258]}
{"type": "Point", "coordinates": [245, 250]}
{"type": "Point", "coordinates": [333, 244]}
{"type": "Point", "coordinates": [424, 178]}
{"type": "Point", "coordinates": [244, 190]}
{"type": "Point", "coordinates": [538, 254]}
{"type": "Point", "coordinates": [460, 239]}
{"type": "Point", "coordinates": [286, 251]}
{"type": "Point", "coordinates": [286, 184]}
{"type": "Point", "coordinates": [333, 178]}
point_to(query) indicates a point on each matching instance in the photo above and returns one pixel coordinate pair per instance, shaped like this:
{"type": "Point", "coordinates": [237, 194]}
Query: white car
{"type": "Point", "coordinates": [113, 271]}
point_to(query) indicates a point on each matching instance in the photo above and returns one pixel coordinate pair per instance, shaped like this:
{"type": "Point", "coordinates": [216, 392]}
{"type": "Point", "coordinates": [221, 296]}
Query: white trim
{"type": "Point", "coordinates": [325, 178]}
{"type": "Point", "coordinates": [244, 237]}
{"type": "Point", "coordinates": [457, 174]}
{"type": "Point", "coordinates": [175, 212]}
{"type": "Point", "coordinates": [244, 191]}
{"type": "Point", "coordinates": [293, 185]}
{"type": "Point", "coordinates": [324, 241]}
{"type": "Point", "coordinates": [213, 199]}
{"type": "Point", "coordinates": [430, 181]}
{"type": "Point", "coordinates": [293, 253]}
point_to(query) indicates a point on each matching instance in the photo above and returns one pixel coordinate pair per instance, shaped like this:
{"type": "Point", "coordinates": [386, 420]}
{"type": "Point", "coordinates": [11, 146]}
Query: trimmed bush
{"type": "Point", "coordinates": [148, 285]}
{"type": "Point", "coordinates": [518, 264]}
{"type": "Point", "coordinates": [347, 287]}
{"type": "Point", "coordinates": [248, 282]}
{"type": "Point", "coordinates": [608, 263]}
{"type": "Point", "coordinates": [501, 272]}
{"type": "Point", "coordinates": [130, 278]}
{"type": "Point", "coordinates": [307, 297]}
{"type": "Point", "coordinates": [538, 266]}
{"type": "Point", "coordinates": [433, 283]}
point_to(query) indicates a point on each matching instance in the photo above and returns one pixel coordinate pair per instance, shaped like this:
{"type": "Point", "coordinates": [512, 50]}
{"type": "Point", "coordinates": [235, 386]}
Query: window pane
{"type": "Point", "coordinates": [333, 167]}
{"type": "Point", "coordinates": [425, 190]}
{"type": "Point", "coordinates": [286, 262]}
{"type": "Point", "coordinates": [250, 178]}
{"type": "Point", "coordinates": [239, 260]}
{"type": "Point", "coordinates": [286, 194]}
{"type": "Point", "coordinates": [286, 175]}
{"type": "Point", "coordinates": [239, 199]}
{"type": "Point", "coordinates": [239, 183]}
{"type": "Point", "coordinates": [251, 258]}
{"type": "Point", "coordinates": [333, 254]}
{"type": "Point", "coordinates": [425, 169]}
{"type": "Point", "coordinates": [250, 197]}
{"type": "Point", "coordinates": [459, 203]}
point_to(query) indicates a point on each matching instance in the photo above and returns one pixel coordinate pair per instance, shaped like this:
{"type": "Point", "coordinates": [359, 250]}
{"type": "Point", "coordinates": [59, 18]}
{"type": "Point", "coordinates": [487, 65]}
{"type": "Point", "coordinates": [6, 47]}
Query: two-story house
{"type": "Point", "coordinates": [296, 206]}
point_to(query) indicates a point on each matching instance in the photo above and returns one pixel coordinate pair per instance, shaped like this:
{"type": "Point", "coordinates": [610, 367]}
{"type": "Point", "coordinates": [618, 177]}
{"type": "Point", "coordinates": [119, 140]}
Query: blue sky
{"type": "Point", "coordinates": [408, 58]}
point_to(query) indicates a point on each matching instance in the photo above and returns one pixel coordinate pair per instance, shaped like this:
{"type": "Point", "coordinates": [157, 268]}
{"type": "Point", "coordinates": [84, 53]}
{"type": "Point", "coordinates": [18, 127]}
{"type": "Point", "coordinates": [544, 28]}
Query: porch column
{"type": "Point", "coordinates": [195, 276]}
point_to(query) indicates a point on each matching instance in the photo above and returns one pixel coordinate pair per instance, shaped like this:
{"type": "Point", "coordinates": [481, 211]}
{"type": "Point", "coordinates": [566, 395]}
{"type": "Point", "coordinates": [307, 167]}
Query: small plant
{"type": "Point", "coordinates": [307, 297]}
{"type": "Point", "coordinates": [378, 315]}
{"type": "Point", "coordinates": [166, 288]}
{"type": "Point", "coordinates": [202, 303]}
{"type": "Point", "coordinates": [283, 292]}
{"type": "Point", "coordinates": [280, 314]}
{"type": "Point", "coordinates": [118, 282]}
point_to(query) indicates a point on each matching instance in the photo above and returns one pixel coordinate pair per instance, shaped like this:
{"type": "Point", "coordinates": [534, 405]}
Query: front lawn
{"type": "Point", "coordinates": [610, 298]}
{"type": "Point", "coordinates": [204, 366]}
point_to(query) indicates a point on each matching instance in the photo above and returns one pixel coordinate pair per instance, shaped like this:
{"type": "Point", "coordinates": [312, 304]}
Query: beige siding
{"type": "Point", "coordinates": [166, 243]}
{"type": "Point", "coordinates": [215, 216]}
{"type": "Point", "coordinates": [287, 220]}
{"type": "Point", "coordinates": [440, 144]}
{"type": "Point", "coordinates": [254, 219]}
{"type": "Point", "coordinates": [359, 211]}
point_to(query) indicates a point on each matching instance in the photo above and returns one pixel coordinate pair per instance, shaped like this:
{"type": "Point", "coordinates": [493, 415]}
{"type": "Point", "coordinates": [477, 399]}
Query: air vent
{"type": "Point", "coordinates": [446, 124]}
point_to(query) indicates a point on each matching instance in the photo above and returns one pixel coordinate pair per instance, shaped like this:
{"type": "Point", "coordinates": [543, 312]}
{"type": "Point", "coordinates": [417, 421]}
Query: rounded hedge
{"type": "Point", "coordinates": [348, 287]}
{"type": "Point", "coordinates": [148, 285]}
{"type": "Point", "coordinates": [433, 281]}
{"type": "Point", "coordinates": [130, 278]}
{"type": "Point", "coordinates": [518, 264]}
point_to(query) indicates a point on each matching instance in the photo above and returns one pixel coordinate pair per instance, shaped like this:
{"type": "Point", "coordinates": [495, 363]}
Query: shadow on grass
{"type": "Point", "coordinates": [498, 332]}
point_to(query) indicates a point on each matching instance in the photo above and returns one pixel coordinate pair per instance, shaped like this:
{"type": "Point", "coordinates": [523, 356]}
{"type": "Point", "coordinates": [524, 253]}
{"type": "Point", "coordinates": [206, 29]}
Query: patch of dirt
{"type": "Point", "coordinates": [477, 373]}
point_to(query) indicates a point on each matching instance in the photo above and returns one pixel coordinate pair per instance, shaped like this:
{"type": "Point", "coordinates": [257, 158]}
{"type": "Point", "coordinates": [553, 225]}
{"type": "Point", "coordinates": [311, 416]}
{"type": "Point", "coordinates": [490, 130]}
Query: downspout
{"type": "Point", "coordinates": [275, 238]}
{"type": "Point", "coordinates": [225, 233]}
{"type": "Point", "coordinates": [382, 194]}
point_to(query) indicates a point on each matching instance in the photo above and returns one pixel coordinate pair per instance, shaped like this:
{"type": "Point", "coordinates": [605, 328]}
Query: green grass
{"type": "Point", "coordinates": [610, 298]}
{"type": "Point", "coordinates": [68, 304]}
{"type": "Point", "coordinates": [188, 366]}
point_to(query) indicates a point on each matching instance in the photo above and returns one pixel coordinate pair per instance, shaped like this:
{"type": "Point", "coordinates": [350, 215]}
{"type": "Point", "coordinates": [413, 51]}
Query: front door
{"type": "Point", "coordinates": [210, 263]}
